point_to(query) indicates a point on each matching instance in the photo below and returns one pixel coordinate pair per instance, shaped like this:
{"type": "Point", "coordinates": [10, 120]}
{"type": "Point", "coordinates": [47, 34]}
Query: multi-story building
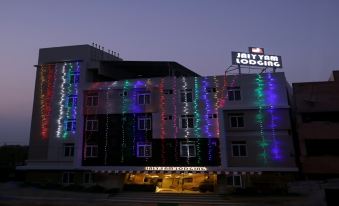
{"type": "Point", "coordinates": [100, 120]}
{"type": "Point", "coordinates": [317, 116]}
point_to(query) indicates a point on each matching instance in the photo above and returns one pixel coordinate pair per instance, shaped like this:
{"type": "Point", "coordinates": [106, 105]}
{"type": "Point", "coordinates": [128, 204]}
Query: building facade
{"type": "Point", "coordinates": [98, 119]}
{"type": "Point", "coordinates": [317, 116]}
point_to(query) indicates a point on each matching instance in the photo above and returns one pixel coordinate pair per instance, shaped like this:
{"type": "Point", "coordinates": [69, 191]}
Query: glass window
{"type": "Point", "coordinates": [144, 98]}
{"type": "Point", "coordinates": [68, 178]}
{"type": "Point", "coordinates": [168, 91]}
{"type": "Point", "coordinates": [168, 117]}
{"type": "Point", "coordinates": [211, 89]}
{"type": "Point", "coordinates": [144, 150]}
{"type": "Point", "coordinates": [187, 121]}
{"type": "Point", "coordinates": [236, 120]}
{"type": "Point", "coordinates": [92, 100]}
{"type": "Point", "coordinates": [92, 125]}
{"type": "Point", "coordinates": [72, 100]}
{"type": "Point", "coordinates": [69, 150]}
{"type": "Point", "coordinates": [239, 149]}
{"type": "Point", "coordinates": [233, 93]}
{"type": "Point", "coordinates": [187, 150]}
{"type": "Point", "coordinates": [186, 95]}
{"type": "Point", "coordinates": [74, 78]}
{"type": "Point", "coordinates": [91, 151]}
{"type": "Point", "coordinates": [234, 180]}
{"type": "Point", "coordinates": [144, 123]}
{"type": "Point", "coordinates": [70, 125]}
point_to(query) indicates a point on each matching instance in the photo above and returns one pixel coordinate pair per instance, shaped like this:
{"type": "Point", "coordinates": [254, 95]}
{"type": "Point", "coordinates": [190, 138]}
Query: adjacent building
{"type": "Point", "coordinates": [98, 119]}
{"type": "Point", "coordinates": [317, 118]}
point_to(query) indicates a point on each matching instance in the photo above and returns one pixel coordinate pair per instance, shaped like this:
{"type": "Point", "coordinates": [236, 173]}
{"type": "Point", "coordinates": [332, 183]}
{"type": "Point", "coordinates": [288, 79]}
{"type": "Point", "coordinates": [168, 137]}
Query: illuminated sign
{"type": "Point", "coordinates": [256, 57]}
{"type": "Point", "coordinates": [176, 168]}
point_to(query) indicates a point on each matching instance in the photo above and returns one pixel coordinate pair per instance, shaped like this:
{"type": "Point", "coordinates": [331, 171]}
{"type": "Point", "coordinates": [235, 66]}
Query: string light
{"type": "Point", "coordinates": [175, 132]}
{"type": "Point", "coordinates": [61, 102]}
{"type": "Point", "coordinates": [275, 150]}
{"type": "Point", "coordinates": [263, 143]}
{"type": "Point", "coordinates": [197, 118]}
{"type": "Point", "coordinates": [125, 102]}
{"type": "Point", "coordinates": [162, 121]}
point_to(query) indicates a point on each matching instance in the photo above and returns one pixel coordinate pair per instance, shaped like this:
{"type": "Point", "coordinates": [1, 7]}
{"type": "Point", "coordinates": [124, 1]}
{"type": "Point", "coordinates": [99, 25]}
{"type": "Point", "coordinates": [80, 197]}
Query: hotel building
{"type": "Point", "coordinates": [98, 119]}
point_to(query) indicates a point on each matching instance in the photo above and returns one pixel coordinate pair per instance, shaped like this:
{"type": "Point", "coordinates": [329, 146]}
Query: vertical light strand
{"type": "Point", "coordinates": [43, 116]}
{"type": "Point", "coordinates": [107, 122]}
{"type": "Point", "coordinates": [185, 112]}
{"type": "Point", "coordinates": [263, 143]}
{"type": "Point", "coordinates": [68, 93]}
{"type": "Point", "coordinates": [124, 112]}
{"type": "Point", "coordinates": [197, 118]}
{"type": "Point", "coordinates": [216, 105]}
{"type": "Point", "coordinates": [75, 94]}
{"type": "Point", "coordinates": [175, 118]}
{"type": "Point", "coordinates": [162, 120]}
{"type": "Point", "coordinates": [206, 118]}
{"type": "Point", "coordinates": [61, 102]}
{"type": "Point", "coordinates": [271, 99]}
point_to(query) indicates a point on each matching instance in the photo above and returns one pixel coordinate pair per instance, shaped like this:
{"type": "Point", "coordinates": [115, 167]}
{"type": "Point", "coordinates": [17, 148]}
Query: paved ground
{"type": "Point", "coordinates": [12, 195]}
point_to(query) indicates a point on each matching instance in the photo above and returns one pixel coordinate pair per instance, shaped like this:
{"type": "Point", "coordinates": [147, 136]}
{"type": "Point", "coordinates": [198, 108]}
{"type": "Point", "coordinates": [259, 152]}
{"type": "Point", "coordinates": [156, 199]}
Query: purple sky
{"type": "Point", "coordinates": [198, 34]}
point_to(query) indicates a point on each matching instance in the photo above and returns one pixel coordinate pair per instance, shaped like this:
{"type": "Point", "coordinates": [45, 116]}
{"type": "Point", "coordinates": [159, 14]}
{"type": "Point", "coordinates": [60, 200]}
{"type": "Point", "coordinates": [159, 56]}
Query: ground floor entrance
{"type": "Point", "coordinates": [175, 183]}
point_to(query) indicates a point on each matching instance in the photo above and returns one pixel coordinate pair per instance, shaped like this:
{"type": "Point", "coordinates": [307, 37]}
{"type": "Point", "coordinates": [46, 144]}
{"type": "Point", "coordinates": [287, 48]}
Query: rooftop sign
{"type": "Point", "coordinates": [256, 57]}
{"type": "Point", "coordinates": [175, 168]}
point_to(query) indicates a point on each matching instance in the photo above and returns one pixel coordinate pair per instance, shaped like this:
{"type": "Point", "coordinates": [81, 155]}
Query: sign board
{"type": "Point", "coordinates": [256, 58]}
{"type": "Point", "coordinates": [175, 168]}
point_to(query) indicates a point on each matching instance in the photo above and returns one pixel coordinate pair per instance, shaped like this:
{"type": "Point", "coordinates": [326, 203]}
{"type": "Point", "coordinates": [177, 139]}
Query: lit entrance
{"type": "Point", "coordinates": [175, 183]}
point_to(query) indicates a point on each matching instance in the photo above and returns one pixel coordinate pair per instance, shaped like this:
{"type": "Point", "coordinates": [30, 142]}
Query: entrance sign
{"type": "Point", "coordinates": [256, 58]}
{"type": "Point", "coordinates": [176, 168]}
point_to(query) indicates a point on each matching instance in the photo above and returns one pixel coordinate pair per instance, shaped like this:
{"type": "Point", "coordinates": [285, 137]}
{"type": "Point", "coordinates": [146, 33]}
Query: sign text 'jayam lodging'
{"type": "Point", "coordinates": [256, 59]}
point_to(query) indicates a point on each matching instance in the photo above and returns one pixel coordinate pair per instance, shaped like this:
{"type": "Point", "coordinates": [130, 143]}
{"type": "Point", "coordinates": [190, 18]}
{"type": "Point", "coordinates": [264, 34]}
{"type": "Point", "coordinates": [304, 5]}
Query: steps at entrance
{"type": "Point", "coordinates": [148, 197]}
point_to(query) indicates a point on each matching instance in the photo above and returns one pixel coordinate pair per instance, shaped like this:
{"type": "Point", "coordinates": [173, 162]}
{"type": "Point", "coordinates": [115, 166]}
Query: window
{"type": "Point", "coordinates": [186, 95]}
{"type": "Point", "coordinates": [168, 117]}
{"type": "Point", "coordinates": [233, 93]}
{"type": "Point", "coordinates": [234, 180]}
{"type": "Point", "coordinates": [70, 125]}
{"type": "Point", "coordinates": [72, 100]}
{"type": "Point", "coordinates": [144, 123]}
{"type": "Point", "coordinates": [211, 89]}
{"type": "Point", "coordinates": [92, 100]}
{"type": "Point", "coordinates": [144, 150]}
{"type": "Point", "coordinates": [239, 149]}
{"type": "Point", "coordinates": [67, 178]}
{"type": "Point", "coordinates": [123, 94]}
{"type": "Point", "coordinates": [88, 178]}
{"type": "Point", "coordinates": [69, 150]}
{"type": "Point", "coordinates": [187, 150]}
{"type": "Point", "coordinates": [74, 78]}
{"type": "Point", "coordinates": [91, 125]}
{"type": "Point", "coordinates": [91, 150]}
{"type": "Point", "coordinates": [144, 98]}
{"type": "Point", "coordinates": [212, 116]}
{"type": "Point", "coordinates": [236, 120]}
{"type": "Point", "coordinates": [168, 91]}
{"type": "Point", "coordinates": [187, 121]}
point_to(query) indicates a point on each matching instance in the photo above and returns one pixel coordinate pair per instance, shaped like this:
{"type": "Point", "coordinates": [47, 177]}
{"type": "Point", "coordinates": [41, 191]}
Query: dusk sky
{"type": "Point", "coordinates": [197, 34]}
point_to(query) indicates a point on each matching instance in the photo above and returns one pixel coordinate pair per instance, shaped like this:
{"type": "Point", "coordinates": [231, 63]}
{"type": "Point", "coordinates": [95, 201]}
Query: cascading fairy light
{"type": "Point", "coordinates": [263, 143]}
{"type": "Point", "coordinates": [68, 92]}
{"type": "Point", "coordinates": [185, 112]}
{"type": "Point", "coordinates": [125, 102]}
{"type": "Point", "coordinates": [76, 93]}
{"type": "Point", "coordinates": [61, 102]}
{"type": "Point", "coordinates": [216, 105]}
{"type": "Point", "coordinates": [275, 150]}
{"type": "Point", "coordinates": [162, 120]}
{"type": "Point", "coordinates": [207, 120]}
{"type": "Point", "coordinates": [197, 118]}
{"type": "Point", "coordinates": [43, 127]}
{"type": "Point", "coordinates": [107, 122]}
{"type": "Point", "coordinates": [174, 103]}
